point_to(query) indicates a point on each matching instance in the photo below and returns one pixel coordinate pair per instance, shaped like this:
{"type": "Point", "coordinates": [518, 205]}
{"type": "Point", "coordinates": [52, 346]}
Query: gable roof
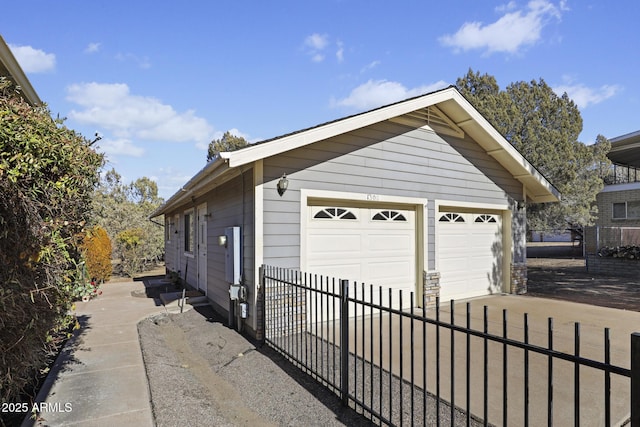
{"type": "Point", "coordinates": [10, 68]}
{"type": "Point", "coordinates": [445, 111]}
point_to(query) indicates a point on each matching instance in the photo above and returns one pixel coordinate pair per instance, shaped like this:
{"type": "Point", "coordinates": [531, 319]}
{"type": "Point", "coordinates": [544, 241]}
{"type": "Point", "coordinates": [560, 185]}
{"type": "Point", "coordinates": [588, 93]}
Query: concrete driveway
{"type": "Point", "coordinates": [593, 320]}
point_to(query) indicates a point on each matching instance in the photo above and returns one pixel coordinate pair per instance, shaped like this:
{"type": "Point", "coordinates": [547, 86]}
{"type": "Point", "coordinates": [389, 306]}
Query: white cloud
{"type": "Point", "coordinates": [142, 61]}
{"type": "Point", "coordinates": [92, 48]}
{"type": "Point", "coordinates": [506, 7]}
{"type": "Point", "coordinates": [512, 31]}
{"type": "Point", "coordinates": [33, 60]}
{"type": "Point", "coordinates": [370, 66]}
{"type": "Point", "coordinates": [316, 46]}
{"type": "Point", "coordinates": [585, 96]}
{"type": "Point", "coordinates": [116, 147]}
{"type": "Point", "coordinates": [112, 107]}
{"type": "Point", "coordinates": [340, 52]}
{"type": "Point", "coordinates": [317, 41]}
{"type": "Point", "coordinates": [376, 93]}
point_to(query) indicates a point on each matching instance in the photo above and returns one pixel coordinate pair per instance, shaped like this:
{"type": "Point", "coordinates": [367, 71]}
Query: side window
{"type": "Point", "coordinates": [189, 231]}
{"type": "Point", "coordinates": [633, 209]}
{"type": "Point", "coordinates": [620, 210]}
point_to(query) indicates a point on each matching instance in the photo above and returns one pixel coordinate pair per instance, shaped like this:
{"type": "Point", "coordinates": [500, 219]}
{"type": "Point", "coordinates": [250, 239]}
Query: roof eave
{"type": "Point", "coordinates": [296, 140]}
{"type": "Point", "coordinates": [464, 115]}
{"type": "Point", "coordinates": [16, 73]}
{"type": "Point", "coordinates": [449, 100]}
{"type": "Point", "coordinates": [188, 191]}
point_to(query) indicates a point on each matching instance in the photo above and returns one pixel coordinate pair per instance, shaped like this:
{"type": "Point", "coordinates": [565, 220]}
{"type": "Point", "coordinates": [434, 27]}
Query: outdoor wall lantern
{"type": "Point", "coordinates": [283, 184]}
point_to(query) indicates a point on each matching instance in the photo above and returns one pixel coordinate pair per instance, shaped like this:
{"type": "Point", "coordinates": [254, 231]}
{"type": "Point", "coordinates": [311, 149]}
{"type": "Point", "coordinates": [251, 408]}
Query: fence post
{"type": "Point", "coordinates": [262, 307]}
{"type": "Point", "coordinates": [344, 342]}
{"type": "Point", "coordinates": [635, 379]}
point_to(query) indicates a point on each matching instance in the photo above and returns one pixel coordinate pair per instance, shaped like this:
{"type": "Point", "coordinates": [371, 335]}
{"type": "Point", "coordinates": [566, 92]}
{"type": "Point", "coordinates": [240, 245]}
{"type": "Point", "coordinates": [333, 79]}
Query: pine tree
{"type": "Point", "coordinates": [545, 128]}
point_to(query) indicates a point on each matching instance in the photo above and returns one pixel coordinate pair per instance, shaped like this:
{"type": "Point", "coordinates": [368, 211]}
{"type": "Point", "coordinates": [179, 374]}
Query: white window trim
{"type": "Point", "coordinates": [187, 232]}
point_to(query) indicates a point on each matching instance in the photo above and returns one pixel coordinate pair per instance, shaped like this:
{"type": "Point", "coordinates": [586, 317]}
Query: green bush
{"type": "Point", "coordinates": [47, 176]}
{"type": "Point", "coordinates": [131, 242]}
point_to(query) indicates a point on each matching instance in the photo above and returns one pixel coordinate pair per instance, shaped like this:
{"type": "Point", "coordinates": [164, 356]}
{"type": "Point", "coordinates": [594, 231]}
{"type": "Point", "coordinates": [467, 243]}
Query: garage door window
{"type": "Point", "coordinates": [334, 213]}
{"type": "Point", "coordinates": [451, 217]}
{"type": "Point", "coordinates": [484, 218]}
{"type": "Point", "coordinates": [389, 216]}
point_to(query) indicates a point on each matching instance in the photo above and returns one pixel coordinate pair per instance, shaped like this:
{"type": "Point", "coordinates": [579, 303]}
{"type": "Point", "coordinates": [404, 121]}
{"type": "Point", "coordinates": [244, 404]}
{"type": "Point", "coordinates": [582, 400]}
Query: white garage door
{"type": "Point", "coordinates": [369, 245]}
{"type": "Point", "coordinates": [469, 248]}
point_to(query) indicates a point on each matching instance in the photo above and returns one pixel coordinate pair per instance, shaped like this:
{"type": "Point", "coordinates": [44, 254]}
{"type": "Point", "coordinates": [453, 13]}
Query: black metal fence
{"type": "Point", "coordinates": [437, 367]}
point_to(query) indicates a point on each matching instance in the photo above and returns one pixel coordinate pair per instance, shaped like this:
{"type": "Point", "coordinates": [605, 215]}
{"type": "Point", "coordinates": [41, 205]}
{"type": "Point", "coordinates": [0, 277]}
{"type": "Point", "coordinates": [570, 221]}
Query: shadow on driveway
{"type": "Point", "coordinates": [567, 279]}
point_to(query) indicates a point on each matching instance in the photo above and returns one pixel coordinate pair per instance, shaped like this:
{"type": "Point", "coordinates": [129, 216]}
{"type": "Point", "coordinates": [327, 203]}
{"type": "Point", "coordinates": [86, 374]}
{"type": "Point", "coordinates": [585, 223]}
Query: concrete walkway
{"type": "Point", "coordinates": [99, 378]}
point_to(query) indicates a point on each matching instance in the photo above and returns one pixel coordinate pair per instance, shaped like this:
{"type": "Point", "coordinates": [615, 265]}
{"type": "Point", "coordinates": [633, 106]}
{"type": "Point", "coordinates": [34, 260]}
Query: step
{"type": "Point", "coordinates": [191, 297]}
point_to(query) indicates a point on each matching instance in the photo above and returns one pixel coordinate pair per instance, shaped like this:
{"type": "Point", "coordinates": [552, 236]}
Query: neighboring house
{"type": "Point", "coordinates": [423, 195]}
{"type": "Point", "coordinates": [10, 68]}
{"type": "Point", "coordinates": [618, 223]}
{"type": "Point", "coordinates": [619, 201]}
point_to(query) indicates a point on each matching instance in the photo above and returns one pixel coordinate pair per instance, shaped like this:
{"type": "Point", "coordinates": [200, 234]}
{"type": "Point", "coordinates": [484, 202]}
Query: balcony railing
{"type": "Point", "coordinates": [621, 174]}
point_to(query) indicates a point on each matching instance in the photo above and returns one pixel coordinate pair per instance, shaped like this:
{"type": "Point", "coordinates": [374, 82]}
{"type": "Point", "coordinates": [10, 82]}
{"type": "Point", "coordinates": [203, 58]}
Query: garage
{"type": "Point", "coordinates": [361, 198]}
{"type": "Point", "coordinates": [469, 247]}
{"type": "Point", "coordinates": [371, 245]}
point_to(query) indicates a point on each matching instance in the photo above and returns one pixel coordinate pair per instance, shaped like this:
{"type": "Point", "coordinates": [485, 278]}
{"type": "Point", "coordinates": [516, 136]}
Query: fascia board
{"type": "Point", "coordinates": [538, 187]}
{"type": "Point", "coordinates": [17, 74]}
{"type": "Point", "coordinates": [452, 103]}
{"type": "Point", "coordinates": [286, 143]}
{"type": "Point", "coordinates": [210, 172]}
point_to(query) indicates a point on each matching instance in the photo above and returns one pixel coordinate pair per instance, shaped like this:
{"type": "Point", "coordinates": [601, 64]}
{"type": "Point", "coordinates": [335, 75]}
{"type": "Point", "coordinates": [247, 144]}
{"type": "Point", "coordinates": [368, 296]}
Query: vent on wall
{"type": "Point", "coordinates": [432, 117]}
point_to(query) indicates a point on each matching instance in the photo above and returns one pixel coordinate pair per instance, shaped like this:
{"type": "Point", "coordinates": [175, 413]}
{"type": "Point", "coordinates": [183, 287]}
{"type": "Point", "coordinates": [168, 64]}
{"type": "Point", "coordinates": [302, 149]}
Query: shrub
{"type": "Point", "coordinates": [47, 176]}
{"type": "Point", "coordinates": [97, 253]}
{"type": "Point", "coordinates": [131, 246]}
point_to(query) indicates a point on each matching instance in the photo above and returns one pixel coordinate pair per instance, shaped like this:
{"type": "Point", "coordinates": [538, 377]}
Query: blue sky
{"type": "Point", "coordinates": [158, 80]}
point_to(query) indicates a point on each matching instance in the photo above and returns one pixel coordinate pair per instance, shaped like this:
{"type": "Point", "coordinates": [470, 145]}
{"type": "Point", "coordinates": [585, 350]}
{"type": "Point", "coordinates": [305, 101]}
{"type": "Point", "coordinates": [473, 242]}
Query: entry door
{"type": "Point", "coordinates": [202, 248]}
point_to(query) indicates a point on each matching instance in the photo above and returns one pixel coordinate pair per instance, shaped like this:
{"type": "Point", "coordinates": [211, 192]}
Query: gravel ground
{"type": "Point", "coordinates": [202, 373]}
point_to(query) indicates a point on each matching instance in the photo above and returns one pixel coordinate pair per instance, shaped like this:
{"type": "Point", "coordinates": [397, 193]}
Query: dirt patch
{"type": "Point", "coordinates": [568, 279]}
{"type": "Point", "coordinates": [203, 373]}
